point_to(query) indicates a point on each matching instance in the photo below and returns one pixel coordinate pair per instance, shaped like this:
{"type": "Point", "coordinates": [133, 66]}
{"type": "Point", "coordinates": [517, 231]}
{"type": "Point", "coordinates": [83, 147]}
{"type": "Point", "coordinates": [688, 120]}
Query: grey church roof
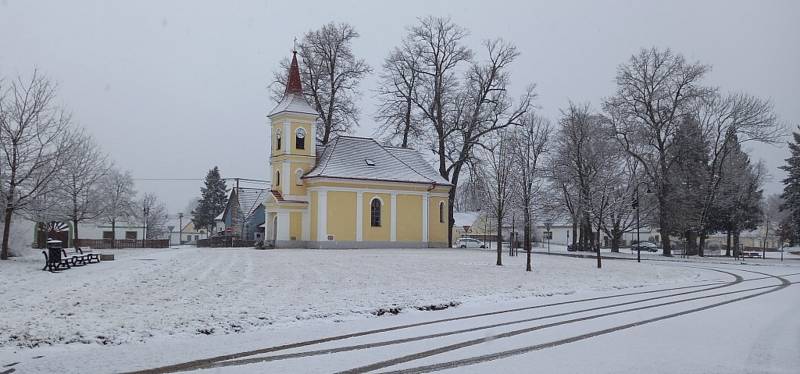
{"type": "Point", "coordinates": [295, 103]}
{"type": "Point", "coordinates": [363, 158]}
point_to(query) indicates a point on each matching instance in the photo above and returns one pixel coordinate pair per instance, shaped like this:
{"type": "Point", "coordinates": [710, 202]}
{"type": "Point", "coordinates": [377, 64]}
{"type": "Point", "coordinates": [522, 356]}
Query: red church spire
{"type": "Point", "coordinates": [293, 85]}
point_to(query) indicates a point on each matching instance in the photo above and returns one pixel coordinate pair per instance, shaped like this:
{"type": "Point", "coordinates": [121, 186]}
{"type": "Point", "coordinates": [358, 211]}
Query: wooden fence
{"type": "Point", "coordinates": [225, 241]}
{"type": "Point", "coordinates": [122, 243]}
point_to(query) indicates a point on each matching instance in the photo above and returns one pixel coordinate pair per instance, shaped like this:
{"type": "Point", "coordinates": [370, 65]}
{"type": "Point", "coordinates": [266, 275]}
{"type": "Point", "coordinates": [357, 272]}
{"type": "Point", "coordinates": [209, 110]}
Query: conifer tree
{"type": "Point", "coordinates": [791, 191]}
{"type": "Point", "coordinates": [213, 199]}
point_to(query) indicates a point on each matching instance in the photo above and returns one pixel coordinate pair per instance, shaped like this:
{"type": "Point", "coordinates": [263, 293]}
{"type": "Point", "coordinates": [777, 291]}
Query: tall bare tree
{"type": "Point", "coordinates": [79, 182]}
{"type": "Point", "coordinates": [497, 166]}
{"type": "Point", "coordinates": [656, 89]}
{"type": "Point", "coordinates": [34, 144]}
{"type": "Point", "coordinates": [461, 109]}
{"type": "Point", "coordinates": [330, 74]}
{"type": "Point", "coordinates": [153, 214]}
{"type": "Point", "coordinates": [531, 142]}
{"type": "Point", "coordinates": [118, 194]}
{"type": "Point", "coordinates": [396, 91]}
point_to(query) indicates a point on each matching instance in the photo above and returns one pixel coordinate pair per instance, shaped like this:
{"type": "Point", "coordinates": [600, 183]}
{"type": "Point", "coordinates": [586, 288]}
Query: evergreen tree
{"type": "Point", "coordinates": [213, 199]}
{"type": "Point", "coordinates": [791, 190]}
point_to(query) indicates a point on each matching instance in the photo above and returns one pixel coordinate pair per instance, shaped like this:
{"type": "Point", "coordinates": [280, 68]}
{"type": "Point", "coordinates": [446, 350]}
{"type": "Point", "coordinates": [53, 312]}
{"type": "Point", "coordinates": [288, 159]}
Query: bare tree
{"type": "Point", "coordinates": [461, 110]}
{"type": "Point", "coordinates": [117, 193]}
{"type": "Point", "coordinates": [153, 214]}
{"type": "Point", "coordinates": [531, 141]}
{"type": "Point", "coordinates": [79, 182]}
{"type": "Point", "coordinates": [498, 173]}
{"type": "Point", "coordinates": [34, 144]}
{"type": "Point", "coordinates": [396, 91]}
{"type": "Point", "coordinates": [330, 74]}
{"type": "Point", "coordinates": [656, 89]}
{"type": "Point", "coordinates": [724, 120]}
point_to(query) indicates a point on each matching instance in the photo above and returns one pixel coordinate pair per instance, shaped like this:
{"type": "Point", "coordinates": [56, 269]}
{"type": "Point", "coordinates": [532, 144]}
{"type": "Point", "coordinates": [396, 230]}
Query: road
{"type": "Point", "coordinates": [746, 323]}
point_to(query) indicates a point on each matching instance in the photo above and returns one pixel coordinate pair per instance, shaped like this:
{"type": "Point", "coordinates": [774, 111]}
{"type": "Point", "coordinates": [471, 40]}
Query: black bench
{"type": "Point", "coordinates": [91, 256]}
{"type": "Point", "coordinates": [55, 264]}
{"type": "Point", "coordinates": [75, 258]}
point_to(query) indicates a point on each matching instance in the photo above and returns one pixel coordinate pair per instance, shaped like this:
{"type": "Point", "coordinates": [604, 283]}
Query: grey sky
{"type": "Point", "coordinates": [173, 88]}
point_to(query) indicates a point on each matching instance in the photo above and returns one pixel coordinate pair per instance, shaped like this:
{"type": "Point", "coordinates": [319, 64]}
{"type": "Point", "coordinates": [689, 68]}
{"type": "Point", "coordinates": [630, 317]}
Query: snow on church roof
{"type": "Point", "coordinates": [363, 158]}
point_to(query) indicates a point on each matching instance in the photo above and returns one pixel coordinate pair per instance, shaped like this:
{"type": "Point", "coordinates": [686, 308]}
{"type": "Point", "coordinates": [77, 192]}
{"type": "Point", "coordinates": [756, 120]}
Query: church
{"type": "Point", "coordinates": [352, 192]}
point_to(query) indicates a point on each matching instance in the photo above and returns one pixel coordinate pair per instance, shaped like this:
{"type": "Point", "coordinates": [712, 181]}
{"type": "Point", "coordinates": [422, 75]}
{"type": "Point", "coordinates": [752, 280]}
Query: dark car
{"type": "Point", "coordinates": [644, 246]}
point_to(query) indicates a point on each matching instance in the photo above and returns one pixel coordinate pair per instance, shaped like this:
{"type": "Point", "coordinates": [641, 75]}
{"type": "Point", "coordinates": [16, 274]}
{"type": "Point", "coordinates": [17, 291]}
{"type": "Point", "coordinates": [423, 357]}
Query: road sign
{"type": "Point", "coordinates": [548, 235]}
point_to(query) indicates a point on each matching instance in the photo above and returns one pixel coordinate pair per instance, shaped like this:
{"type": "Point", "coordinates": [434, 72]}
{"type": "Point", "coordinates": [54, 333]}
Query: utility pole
{"type": "Point", "coordinates": [180, 228]}
{"type": "Point", "coordinates": [144, 228]}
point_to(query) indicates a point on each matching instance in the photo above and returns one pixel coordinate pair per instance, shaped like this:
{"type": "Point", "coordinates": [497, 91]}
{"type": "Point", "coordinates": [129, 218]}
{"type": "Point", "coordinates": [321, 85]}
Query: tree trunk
{"type": "Point", "coordinates": [664, 227]}
{"type": "Point", "coordinates": [615, 238]}
{"type": "Point", "coordinates": [701, 247]}
{"type": "Point", "coordinates": [736, 248]}
{"type": "Point", "coordinates": [499, 240]}
{"type": "Point", "coordinates": [728, 244]}
{"type": "Point", "coordinates": [75, 238]}
{"type": "Point", "coordinates": [114, 233]}
{"type": "Point", "coordinates": [6, 232]}
{"type": "Point", "coordinates": [574, 231]}
{"type": "Point", "coordinates": [528, 235]}
{"type": "Point", "coordinates": [450, 220]}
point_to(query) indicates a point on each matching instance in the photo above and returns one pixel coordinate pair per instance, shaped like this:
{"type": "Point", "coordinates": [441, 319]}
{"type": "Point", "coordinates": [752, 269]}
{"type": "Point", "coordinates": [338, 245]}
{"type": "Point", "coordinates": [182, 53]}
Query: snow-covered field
{"type": "Point", "coordinates": [150, 293]}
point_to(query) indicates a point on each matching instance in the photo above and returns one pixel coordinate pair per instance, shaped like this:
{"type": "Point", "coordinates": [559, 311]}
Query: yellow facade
{"type": "Point", "coordinates": [341, 212]}
{"type": "Point", "coordinates": [335, 212]}
{"type": "Point", "coordinates": [409, 213]}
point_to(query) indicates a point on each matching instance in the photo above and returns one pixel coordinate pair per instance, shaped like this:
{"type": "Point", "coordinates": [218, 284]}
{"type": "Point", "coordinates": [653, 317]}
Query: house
{"type": "Point", "coordinates": [350, 193]}
{"type": "Point", "coordinates": [99, 229]}
{"type": "Point", "coordinates": [187, 235]}
{"type": "Point", "coordinates": [243, 216]}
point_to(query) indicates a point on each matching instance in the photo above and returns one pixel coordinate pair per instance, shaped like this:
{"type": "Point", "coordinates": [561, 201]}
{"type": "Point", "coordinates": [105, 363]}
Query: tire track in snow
{"type": "Point", "coordinates": [738, 279]}
{"type": "Point", "coordinates": [513, 352]}
{"type": "Point", "coordinates": [200, 363]}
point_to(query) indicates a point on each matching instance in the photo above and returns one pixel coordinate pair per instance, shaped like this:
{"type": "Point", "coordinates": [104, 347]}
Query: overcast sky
{"type": "Point", "coordinates": [173, 88]}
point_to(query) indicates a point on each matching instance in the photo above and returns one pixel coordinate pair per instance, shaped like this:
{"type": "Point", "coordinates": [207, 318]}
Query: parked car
{"type": "Point", "coordinates": [469, 243]}
{"type": "Point", "coordinates": [578, 247]}
{"type": "Point", "coordinates": [644, 246]}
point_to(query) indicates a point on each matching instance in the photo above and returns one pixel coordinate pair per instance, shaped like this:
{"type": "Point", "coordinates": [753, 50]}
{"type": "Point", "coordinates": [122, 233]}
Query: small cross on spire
{"type": "Point", "coordinates": [294, 45]}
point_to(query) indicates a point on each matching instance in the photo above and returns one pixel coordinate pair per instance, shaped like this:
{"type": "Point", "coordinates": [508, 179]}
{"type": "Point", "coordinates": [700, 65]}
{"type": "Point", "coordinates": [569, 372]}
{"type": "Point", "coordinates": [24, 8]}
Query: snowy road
{"type": "Point", "coordinates": [745, 324]}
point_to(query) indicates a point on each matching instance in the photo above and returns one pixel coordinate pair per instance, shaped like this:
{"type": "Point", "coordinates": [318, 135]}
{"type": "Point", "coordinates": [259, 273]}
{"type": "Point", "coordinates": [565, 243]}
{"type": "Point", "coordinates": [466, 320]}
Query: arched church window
{"type": "Point", "coordinates": [441, 212]}
{"type": "Point", "coordinates": [300, 138]}
{"type": "Point", "coordinates": [278, 139]}
{"type": "Point", "coordinates": [299, 177]}
{"type": "Point", "coordinates": [375, 213]}
{"type": "Point", "coordinates": [277, 178]}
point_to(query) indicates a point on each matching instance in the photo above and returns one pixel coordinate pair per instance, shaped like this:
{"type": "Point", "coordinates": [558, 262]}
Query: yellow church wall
{"type": "Point", "coordinates": [409, 218]}
{"type": "Point", "coordinates": [342, 215]}
{"type": "Point", "coordinates": [382, 233]}
{"type": "Point", "coordinates": [313, 207]}
{"type": "Point", "coordinates": [437, 231]}
{"type": "Point", "coordinates": [295, 225]}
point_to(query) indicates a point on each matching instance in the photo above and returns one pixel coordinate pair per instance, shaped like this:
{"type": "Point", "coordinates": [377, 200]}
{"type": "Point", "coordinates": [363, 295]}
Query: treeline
{"type": "Point", "coordinates": [664, 141]}
{"type": "Point", "coordinates": [51, 169]}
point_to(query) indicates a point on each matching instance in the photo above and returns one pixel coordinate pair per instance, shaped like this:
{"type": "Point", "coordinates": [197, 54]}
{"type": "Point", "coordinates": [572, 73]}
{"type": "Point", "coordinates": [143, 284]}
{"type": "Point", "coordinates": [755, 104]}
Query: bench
{"type": "Point", "coordinates": [54, 265]}
{"type": "Point", "coordinates": [750, 254]}
{"type": "Point", "coordinates": [91, 256]}
{"type": "Point", "coordinates": [74, 257]}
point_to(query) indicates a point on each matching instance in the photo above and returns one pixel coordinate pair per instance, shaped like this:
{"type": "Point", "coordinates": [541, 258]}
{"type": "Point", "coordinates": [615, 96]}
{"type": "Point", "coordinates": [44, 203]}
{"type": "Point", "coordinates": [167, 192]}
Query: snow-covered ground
{"type": "Point", "coordinates": [150, 293]}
